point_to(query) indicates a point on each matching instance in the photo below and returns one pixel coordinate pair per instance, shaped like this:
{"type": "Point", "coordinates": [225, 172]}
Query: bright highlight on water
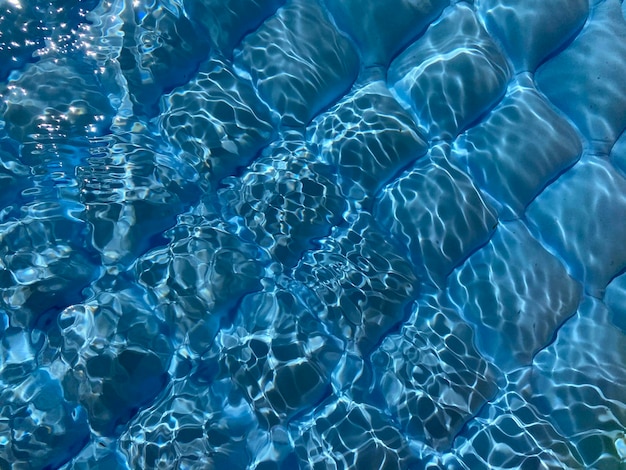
{"type": "Point", "coordinates": [312, 234]}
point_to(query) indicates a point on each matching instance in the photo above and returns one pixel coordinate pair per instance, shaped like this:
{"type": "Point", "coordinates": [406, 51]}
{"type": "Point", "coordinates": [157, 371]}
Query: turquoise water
{"type": "Point", "coordinates": [325, 234]}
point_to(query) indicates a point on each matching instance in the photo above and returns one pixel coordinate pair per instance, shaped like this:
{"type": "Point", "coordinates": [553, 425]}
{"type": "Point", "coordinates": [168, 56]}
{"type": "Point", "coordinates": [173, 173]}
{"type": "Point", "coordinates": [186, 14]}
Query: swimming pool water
{"type": "Point", "coordinates": [315, 234]}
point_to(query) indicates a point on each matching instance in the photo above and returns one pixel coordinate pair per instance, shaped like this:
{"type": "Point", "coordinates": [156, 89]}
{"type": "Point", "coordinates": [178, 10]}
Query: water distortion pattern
{"type": "Point", "coordinates": [314, 234]}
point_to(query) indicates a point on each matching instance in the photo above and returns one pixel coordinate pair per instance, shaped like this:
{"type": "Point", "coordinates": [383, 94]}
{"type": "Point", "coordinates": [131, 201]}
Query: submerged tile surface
{"type": "Point", "coordinates": [312, 234]}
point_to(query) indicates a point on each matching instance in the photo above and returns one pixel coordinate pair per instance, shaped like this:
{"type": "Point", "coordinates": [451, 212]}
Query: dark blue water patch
{"type": "Point", "coordinates": [486, 442]}
{"type": "Point", "coordinates": [597, 256]}
{"type": "Point", "coordinates": [19, 45]}
{"type": "Point", "coordinates": [599, 112]}
{"type": "Point", "coordinates": [280, 355]}
{"type": "Point", "coordinates": [14, 176]}
{"type": "Point", "coordinates": [511, 169]}
{"type": "Point", "coordinates": [583, 366]}
{"type": "Point", "coordinates": [285, 200]}
{"type": "Point", "coordinates": [198, 278]}
{"type": "Point", "coordinates": [282, 234]}
{"type": "Point", "coordinates": [99, 454]}
{"type": "Point", "coordinates": [217, 121]}
{"type": "Point", "coordinates": [227, 26]}
{"type": "Point", "coordinates": [618, 154]}
{"type": "Point", "coordinates": [381, 29]}
{"type": "Point", "coordinates": [132, 188]}
{"type": "Point", "coordinates": [378, 138]}
{"type": "Point", "coordinates": [364, 281]}
{"type": "Point", "coordinates": [45, 268]}
{"type": "Point", "coordinates": [39, 426]}
{"type": "Point", "coordinates": [161, 50]}
{"type": "Point", "coordinates": [308, 65]}
{"type": "Point", "coordinates": [516, 293]}
{"type": "Point", "coordinates": [112, 380]}
{"type": "Point", "coordinates": [435, 212]}
{"type": "Point", "coordinates": [29, 28]}
{"type": "Point", "coordinates": [614, 299]}
{"type": "Point", "coordinates": [523, 32]}
{"type": "Point", "coordinates": [194, 426]}
{"type": "Point", "coordinates": [445, 107]}
{"type": "Point", "coordinates": [56, 98]}
{"type": "Point", "coordinates": [430, 375]}
{"type": "Point", "coordinates": [351, 435]}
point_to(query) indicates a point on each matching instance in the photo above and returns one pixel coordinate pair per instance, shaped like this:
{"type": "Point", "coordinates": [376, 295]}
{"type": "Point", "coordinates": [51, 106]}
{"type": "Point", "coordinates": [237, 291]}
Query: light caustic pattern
{"type": "Point", "coordinates": [315, 234]}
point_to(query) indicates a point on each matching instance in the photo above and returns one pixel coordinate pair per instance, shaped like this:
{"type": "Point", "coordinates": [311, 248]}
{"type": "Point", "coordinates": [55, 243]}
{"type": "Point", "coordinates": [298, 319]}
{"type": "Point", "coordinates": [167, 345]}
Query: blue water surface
{"type": "Point", "coordinates": [312, 234]}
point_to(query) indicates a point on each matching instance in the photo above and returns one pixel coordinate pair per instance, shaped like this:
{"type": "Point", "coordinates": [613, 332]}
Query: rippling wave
{"type": "Point", "coordinates": [312, 234]}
